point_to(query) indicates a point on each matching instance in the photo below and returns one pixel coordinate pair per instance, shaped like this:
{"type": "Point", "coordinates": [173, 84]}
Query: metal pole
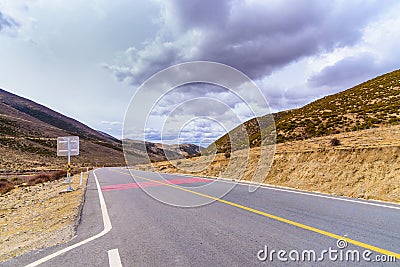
{"type": "Point", "coordinates": [69, 166]}
{"type": "Point", "coordinates": [69, 152]}
{"type": "Point", "coordinates": [68, 159]}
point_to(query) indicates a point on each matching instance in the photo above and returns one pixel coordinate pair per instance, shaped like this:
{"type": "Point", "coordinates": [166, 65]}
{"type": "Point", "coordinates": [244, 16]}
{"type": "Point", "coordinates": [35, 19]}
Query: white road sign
{"type": "Point", "coordinates": [62, 145]}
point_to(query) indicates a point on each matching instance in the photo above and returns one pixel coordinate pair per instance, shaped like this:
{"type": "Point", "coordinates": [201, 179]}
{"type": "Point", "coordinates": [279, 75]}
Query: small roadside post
{"type": "Point", "coordinates": [68, 146]}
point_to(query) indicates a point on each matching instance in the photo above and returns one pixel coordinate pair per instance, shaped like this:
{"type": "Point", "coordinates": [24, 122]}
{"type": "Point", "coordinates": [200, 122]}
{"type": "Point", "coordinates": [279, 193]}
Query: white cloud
{"type": "Point", "coordinates": [294, 50]}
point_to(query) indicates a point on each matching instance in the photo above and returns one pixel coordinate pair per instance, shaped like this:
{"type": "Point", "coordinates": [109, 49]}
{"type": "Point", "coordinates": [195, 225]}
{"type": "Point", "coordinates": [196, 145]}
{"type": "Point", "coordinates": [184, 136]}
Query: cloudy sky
{"type": "Point", "coordinates": [87, 59]}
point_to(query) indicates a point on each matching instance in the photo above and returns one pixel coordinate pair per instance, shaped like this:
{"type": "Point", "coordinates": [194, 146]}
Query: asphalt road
{"type": "Point", "coordinates": [123, 225]}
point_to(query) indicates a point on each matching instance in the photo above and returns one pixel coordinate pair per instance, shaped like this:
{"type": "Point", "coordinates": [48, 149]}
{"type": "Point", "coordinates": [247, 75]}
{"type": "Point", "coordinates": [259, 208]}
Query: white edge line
{"type": "Point", "coordinates": [113, 258]}
{"type": "Point", "coordinates": [294, 191]}
{"type": "Point", "coordinates": [107, 228]}
{"type": "Point", "coordinates": [305, 193]}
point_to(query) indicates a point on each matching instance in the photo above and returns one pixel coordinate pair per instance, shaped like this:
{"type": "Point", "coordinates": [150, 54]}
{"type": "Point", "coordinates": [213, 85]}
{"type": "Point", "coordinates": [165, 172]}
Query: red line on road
{"type": "Point", "coordinates": [113, 187]}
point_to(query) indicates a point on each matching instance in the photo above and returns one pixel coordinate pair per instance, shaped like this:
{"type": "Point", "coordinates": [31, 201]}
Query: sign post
{"type": "Point", "coordinates": [68, 146]}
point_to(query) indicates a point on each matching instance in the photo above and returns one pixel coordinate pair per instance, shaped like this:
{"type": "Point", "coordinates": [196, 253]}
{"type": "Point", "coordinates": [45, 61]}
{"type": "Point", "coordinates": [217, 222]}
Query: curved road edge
{"type": "Point", "coordinates": [107, 228]}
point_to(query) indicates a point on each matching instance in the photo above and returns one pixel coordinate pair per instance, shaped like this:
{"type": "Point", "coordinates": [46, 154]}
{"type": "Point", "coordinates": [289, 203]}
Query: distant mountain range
{"type": "Point", "coordinates": [28, 130]}
{"type": "Point", "coordinates": [371, 104]}
{"type": "Point", "coordinates": [142, 152]}
{"type": "Point", "coordinates": [28, 133]}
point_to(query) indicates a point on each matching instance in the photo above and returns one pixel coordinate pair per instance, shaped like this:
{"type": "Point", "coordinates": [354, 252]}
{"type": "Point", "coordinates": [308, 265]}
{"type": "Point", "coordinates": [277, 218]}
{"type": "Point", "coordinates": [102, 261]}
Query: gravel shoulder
{"type": "Point", "coordinates": [39, 216]}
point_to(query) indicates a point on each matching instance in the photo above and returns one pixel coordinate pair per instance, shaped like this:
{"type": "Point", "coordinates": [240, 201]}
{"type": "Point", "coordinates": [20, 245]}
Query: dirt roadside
{"type": "Point", "coordinates": [39, 216]}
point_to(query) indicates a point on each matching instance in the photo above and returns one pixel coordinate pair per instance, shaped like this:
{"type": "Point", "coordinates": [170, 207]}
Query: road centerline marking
{"type": "Point", "coordinates": [277, 218]}
{"type": "Point", "coordinates": [113, 258]}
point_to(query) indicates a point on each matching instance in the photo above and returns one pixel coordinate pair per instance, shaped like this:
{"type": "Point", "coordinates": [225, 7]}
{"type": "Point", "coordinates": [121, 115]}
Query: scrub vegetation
{"type": "Point", "coordinates": [374, 103]}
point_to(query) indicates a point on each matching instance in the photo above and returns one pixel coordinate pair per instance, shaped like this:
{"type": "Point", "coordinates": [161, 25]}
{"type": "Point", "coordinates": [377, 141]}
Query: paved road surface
{"type": "Point", "coordinates": [122, 225]}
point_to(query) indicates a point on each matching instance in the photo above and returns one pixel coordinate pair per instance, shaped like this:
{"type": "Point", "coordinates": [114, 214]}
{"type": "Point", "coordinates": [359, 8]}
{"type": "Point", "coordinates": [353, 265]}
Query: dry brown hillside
{"type": "Point", "coordinates": [365, 165]}
{"type": "Point", "coordinates": [28, 133]}
{"type": "Point", "coordinates": [145, 152]}
{"type": "Point", "coordinates": [371, 104]}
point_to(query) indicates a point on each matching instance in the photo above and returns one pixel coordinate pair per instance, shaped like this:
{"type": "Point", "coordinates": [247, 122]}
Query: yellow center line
{"type": "Point", "coordinates": [277, 218]}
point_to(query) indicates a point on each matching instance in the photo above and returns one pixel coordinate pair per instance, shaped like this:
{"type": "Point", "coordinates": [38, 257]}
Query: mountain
{"type": "Point", "coordinates": [184, 150]}
{"type": "Point", "coordinates": [28, 140]}
{"type": "Point", "coordinates": [251, 127]}
{"type": "Point", "coordinates": [371, 104]}
{"type": "Point", "coordinates": [28, 133]}
{"type": "Point", "coordinates": [141, 151]}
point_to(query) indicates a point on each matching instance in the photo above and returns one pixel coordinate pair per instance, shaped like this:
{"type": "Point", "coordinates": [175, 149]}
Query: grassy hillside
{"type": "Point", "coordinates": [371, 104]}
{"type": "Point", "coordinates": [28, 134]}
{"type": "Point", "coordinates": [251, 127]}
